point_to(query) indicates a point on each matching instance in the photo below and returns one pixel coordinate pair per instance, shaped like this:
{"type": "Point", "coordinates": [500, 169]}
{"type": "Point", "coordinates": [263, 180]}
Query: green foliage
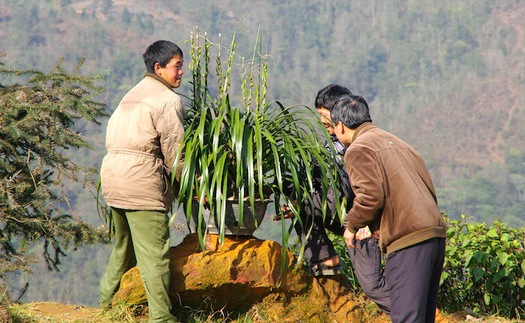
{"type": "Point", "coordinates": [422, 62]}
{"type": "Point", "coordinates": [39, 123]}
{"type": "Point", "coordinates": [314, 43]}
{"type": "Point", "coordinates": [484, 269]}
{"type": "Point", "coordinates": [341, 249]}
{"type": "Point", "coordinates": [257, 150]}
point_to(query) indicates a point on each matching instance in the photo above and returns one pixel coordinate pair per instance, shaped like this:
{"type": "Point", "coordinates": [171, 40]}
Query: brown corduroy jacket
{"type": "Point", "coordinates": [394, 191]}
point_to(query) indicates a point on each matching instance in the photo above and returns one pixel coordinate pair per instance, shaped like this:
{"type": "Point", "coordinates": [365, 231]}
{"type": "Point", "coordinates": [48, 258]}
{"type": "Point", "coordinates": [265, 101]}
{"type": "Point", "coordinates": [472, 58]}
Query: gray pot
{"type": "Point", "coordinates": [250, 221]}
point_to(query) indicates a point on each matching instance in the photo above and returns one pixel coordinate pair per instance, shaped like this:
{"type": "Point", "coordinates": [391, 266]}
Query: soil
{"type": "Point", "coordinates": [64, 313]}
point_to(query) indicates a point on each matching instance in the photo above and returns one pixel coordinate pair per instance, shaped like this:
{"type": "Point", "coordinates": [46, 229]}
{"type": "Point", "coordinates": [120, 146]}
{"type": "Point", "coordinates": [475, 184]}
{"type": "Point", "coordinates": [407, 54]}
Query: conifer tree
{"type": "Point", "coordinates": [40, 122]}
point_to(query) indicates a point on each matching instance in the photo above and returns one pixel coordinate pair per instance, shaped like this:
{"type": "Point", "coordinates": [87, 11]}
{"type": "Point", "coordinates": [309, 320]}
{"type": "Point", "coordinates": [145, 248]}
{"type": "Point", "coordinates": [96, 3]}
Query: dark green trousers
{"type": "Point", "coordinates": [141, 238]}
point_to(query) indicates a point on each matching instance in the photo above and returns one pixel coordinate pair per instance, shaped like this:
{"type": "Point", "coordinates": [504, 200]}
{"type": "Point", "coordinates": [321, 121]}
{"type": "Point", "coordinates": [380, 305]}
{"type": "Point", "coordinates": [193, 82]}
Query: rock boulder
{"type": "Point", "coordinates": [243, 272]}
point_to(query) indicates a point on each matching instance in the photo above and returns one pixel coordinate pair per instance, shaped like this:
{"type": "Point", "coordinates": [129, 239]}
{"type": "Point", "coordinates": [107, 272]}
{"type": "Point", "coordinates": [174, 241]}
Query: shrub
{"type": "Point", "coordinates": [484, 269]}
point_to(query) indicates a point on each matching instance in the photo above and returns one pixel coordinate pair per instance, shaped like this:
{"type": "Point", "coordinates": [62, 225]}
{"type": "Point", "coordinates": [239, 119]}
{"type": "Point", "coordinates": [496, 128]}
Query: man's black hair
{"type": "Point", "coordinates": [328, 96]}
{"type": "Point", "coordinates": [161, 51]}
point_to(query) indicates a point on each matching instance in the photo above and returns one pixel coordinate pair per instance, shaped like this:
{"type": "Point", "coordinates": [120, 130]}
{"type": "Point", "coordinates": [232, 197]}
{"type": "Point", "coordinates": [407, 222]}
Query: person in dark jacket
{"type": "Point", "coordinates": [393, 192]}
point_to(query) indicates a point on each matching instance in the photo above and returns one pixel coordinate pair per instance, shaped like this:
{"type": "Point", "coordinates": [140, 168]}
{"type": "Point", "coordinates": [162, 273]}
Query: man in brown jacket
{"type": "Point", "coordinates": [319, 250]}
{"type": "Point", "coordinates": [142, 139]}
{"type": "Point", "coordinates": [394, 192]}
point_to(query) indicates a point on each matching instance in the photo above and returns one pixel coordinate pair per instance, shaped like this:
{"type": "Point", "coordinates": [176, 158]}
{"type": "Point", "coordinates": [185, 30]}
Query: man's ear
{"type": "Point", "coordinates": [157, 69]}
{"type": "Point", "coordinates": [341, 127]}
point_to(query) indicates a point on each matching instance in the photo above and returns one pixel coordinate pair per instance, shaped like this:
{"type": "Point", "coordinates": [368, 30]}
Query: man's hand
{"type": "Point", "coordinates": [349, 238]}
{"type": "Point", "coordinates": [285, 212]}
{"type": "Point", "coordinates": [363, 233]}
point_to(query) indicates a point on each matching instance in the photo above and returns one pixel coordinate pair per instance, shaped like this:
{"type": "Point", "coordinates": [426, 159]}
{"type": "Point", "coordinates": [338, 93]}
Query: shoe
{"type": "Point", "coordinates": [321, 269]}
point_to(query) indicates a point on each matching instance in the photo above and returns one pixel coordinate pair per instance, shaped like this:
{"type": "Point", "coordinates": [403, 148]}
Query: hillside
{"type": "Point", "coordinates": [448, 77]}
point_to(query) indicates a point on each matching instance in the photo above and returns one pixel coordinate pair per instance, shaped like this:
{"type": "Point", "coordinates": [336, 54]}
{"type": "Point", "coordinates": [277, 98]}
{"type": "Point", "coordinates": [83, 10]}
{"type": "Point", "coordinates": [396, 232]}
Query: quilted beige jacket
{"type": "Point", "coordinates": [143, 136]}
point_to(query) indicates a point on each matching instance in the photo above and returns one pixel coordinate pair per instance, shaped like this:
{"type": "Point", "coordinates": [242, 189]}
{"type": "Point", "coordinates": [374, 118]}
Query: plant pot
{"type": "Point", "coordinates": [232, 226]}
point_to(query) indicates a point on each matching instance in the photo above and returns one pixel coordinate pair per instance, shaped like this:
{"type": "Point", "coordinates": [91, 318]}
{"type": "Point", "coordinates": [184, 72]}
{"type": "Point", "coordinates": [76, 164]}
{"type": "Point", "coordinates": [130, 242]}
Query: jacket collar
{"type": "Point", "coordinates": [362, 128]}
{"type": "Point", "coordinates": [158, 78]}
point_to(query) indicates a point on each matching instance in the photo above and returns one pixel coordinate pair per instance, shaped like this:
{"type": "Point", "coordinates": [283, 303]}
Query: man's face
{"type": "Point", "coordinates": [172, 73]}
{"type": "Point", "coordinates": [337, 132]}
{"type": "Point", "coordinates": [326, 120]}
{"type": "Point", "coordinates": [343, 134]}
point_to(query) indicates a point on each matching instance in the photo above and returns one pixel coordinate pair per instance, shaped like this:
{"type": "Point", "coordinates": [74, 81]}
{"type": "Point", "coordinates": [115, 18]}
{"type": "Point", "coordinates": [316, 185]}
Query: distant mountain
{"type": "Point", "coordinates": [446, 76]}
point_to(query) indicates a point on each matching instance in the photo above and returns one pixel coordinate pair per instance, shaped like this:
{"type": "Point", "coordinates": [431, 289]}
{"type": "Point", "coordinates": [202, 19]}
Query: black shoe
{"type": "Point", "coordinates": [321, 269]}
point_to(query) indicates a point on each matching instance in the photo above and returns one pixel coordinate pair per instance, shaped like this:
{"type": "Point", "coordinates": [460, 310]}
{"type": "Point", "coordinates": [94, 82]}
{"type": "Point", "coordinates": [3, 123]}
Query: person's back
{"type": "Point", "coordinates": [408, 186]}
{"type": "Point", "coordinates": [143, 136]}
{"type": "Point", "coordinates": [133, 123]}
{"type": "Point", "coordinates": [393, 188]}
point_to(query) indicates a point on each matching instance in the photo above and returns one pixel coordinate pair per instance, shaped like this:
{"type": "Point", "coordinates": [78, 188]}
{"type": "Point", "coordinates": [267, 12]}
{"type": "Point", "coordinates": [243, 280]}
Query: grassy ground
{"type": "Point", "coordinates": [67, 313]}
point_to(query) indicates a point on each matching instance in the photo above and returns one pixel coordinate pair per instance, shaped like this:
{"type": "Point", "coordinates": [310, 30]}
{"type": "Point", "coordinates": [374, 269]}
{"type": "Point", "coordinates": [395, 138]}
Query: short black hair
{"type": "Point", "coordinates": [161, 51]}
{"type": "Point", "coordinates": [328, 96]}
{"type": "Point", "coordinates": [352, 111]}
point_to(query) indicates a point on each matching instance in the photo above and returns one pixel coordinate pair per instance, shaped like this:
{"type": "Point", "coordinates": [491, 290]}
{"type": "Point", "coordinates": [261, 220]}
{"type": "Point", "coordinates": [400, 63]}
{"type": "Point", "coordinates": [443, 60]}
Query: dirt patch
{"type": "Point", "coordinates": [43, 311]}
{"type": "Point", "coordinates": [64, 313]}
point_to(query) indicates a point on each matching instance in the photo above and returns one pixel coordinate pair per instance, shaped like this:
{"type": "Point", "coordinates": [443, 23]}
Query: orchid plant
{"type": "Point", "coordinates": [248, 151]}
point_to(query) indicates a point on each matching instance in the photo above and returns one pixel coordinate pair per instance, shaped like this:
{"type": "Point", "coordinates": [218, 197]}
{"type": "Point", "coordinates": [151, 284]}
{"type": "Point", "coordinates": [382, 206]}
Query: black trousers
{"type": "Point", "coordinates": [318, 246]}
{"type": "Point", "coordinates": [413, 276]}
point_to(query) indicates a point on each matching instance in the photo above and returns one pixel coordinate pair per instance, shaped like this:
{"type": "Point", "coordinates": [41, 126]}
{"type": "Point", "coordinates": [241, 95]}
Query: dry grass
{"type": "Point", "coordinates": [68, 313]}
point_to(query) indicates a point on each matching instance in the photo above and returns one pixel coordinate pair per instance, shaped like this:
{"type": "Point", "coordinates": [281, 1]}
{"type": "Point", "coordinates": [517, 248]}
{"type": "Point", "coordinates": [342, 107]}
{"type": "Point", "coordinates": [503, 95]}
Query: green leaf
{"type": "Point", "coordinates": [478, 273]}
{"type": "Point", "coordinates": [468, 257]}
{"type": "Point", "coordinates": [479, 256]}
{"type": "Point", "coordinates": [503, 257]}
{"type": "Point", "coordinates": [486, 298]}
{"type": "Point", "coordinates": [499, 275]}
{"type": "Point", "coordinates": [492, 233]}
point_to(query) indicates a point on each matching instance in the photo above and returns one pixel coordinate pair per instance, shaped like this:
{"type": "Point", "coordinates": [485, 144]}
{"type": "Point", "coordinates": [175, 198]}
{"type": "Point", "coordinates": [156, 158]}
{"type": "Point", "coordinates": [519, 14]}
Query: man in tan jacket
{"type": "Point", "coordinates": [142, 139]}
{"type": "Point", "coordinates": [393, 193]}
